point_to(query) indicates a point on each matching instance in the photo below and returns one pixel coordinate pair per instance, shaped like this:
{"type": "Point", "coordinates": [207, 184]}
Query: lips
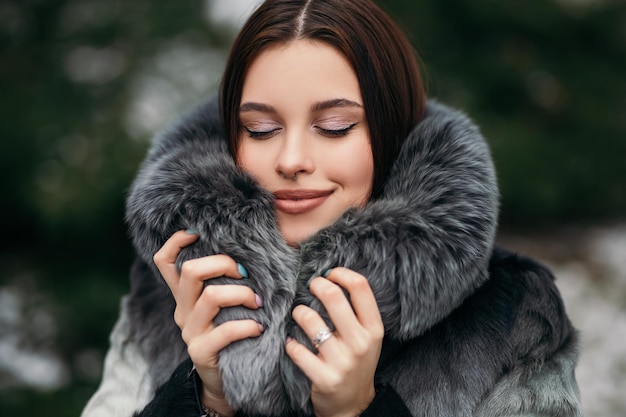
{"type": "Point", "coordinates": [300, 201]}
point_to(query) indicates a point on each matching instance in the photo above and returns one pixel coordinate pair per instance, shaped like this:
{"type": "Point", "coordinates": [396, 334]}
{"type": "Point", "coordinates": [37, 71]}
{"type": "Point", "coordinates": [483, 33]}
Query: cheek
{"type": "Point", "coordinates": [356, 168]}
{"type": "Point", "coordinates": [364, 182]}
{"type": "Point", "coordinates": [246, 160]}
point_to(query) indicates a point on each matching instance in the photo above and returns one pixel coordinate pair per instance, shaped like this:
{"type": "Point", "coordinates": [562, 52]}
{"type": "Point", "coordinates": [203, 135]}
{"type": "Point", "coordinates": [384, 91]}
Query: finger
{"type": "Point", "coordinates": [312, 323]}
{"type": "Point", "coordinates": [165, 258]}
{"type": "Point", "coordinates": [312, 366]}
{"type": "Point", "coordinates": [361, 296]}
{"type": "Point", "coordinates": [214, 298]}
{"type": "Point", "coordinates": [338, 307]}
{"type": "Point", "coordinates": [192, 276]}
{"type": "Point", "coordinates": [205, 348]}
{"type": "Point", "coordinates": [214, 266]}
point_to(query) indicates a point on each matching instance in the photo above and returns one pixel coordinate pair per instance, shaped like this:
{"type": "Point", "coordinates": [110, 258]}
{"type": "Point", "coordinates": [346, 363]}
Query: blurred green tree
{"type": "Point", "coordinates": [70, 73]}
{"type": "Point", "coordinates": [545, 80]}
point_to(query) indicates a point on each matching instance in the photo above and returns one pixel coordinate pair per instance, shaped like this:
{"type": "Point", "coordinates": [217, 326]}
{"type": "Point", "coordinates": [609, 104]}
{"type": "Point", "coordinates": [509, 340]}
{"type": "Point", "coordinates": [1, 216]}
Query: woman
{"type": "Point", "coordinates": [331, 252]}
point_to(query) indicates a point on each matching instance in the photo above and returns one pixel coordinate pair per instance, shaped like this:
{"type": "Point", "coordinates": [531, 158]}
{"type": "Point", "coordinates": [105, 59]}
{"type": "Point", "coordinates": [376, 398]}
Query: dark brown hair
{"type": "Point", "coordinates": [382, 57]}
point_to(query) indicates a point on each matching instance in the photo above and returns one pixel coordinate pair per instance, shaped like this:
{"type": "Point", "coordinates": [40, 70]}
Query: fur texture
{"type": "Point", "coordinates": [424, 245]}
{"type": "Point", "coordinates": [508, 350]}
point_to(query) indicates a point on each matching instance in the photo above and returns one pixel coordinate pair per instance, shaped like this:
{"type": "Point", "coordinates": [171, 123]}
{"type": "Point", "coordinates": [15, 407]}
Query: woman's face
{"type": "Point", "coordinates": [304, 135]}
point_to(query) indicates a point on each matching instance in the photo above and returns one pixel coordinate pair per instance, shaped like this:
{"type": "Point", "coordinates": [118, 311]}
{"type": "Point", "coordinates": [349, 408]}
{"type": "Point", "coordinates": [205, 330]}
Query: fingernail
{"type": "Point", "coordinates": [261, 327]}
{"type": "Point", "coordinates": [289, 339]}
{"type": "Point", "coordinates": [191, 231]}
{"type": "Point", "coordinates": [242, 270]}
{"type": "Point", "coordinates": [258, 300]}
{"type": "Point", "coordinates": [326, 273]}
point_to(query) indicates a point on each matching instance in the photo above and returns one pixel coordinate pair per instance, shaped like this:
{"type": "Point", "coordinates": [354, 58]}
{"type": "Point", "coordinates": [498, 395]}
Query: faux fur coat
{"type": "Point", "coordinates": [471, 329]}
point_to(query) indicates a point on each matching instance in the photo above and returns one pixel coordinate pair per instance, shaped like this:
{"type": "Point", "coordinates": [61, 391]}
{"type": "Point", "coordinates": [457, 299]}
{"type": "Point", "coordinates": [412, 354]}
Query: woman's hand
{"type": "Point", "coordinates": [342, 373]}
{"type": "Point", "coordinates": [197, 306]}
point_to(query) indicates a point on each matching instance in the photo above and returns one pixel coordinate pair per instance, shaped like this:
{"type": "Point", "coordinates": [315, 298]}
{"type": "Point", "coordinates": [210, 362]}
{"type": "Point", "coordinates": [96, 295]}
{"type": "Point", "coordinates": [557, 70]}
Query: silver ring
{"type": "Point", "coordinates": [323, 335]}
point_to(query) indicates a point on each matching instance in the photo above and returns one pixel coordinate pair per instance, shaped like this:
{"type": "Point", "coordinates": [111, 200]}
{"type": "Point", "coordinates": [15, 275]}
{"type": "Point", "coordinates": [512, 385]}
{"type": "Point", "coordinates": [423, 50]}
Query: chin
{"type": "Point", "coordinates": [294, 241]}
{"type": "Point", "coordinates": [295, 237]}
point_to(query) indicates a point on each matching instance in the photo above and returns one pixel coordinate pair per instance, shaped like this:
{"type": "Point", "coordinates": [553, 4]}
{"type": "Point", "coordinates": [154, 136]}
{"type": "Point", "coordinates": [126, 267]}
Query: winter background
{"type": "Point", "coordinates": [86, 83]}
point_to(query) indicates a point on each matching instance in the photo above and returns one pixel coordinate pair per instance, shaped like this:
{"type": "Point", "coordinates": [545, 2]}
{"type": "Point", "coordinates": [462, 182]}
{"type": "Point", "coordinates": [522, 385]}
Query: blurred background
{"type": "Point", "coordinates": [84, 84]}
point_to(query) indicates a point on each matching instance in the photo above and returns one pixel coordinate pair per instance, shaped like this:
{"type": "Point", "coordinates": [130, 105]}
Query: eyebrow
{"type": "Point", "coordinates": [337, 102]}
{"type": "Point", "coordinates": [322, 105]}
{"type": "Point", "coordinates": [249, 106]}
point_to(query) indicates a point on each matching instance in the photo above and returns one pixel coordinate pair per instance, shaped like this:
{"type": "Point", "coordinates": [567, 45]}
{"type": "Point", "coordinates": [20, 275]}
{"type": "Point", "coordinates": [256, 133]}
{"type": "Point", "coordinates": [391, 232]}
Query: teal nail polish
{"type": "Point", "coordinates": [242, 270]}
{"type": "Point", "coordinates": [326, 273]}
{"type": "Point", "coordinates": [191, 231]}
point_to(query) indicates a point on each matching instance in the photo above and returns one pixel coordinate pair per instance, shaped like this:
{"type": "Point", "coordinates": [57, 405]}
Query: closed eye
{"type": "Point", "coordinates": [261, 134]}
{"type": "Point", "coordinates": [335, 133]}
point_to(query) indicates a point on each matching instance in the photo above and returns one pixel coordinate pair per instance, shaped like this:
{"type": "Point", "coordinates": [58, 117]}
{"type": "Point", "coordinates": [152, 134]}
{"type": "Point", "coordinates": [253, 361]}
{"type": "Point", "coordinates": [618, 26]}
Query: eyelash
{"type": "Point", "coordinates": [336, 133]}
{"type": "Point", "coordinates": [333, 133]}
{"type": "Point", "coordinates": [262, 134]}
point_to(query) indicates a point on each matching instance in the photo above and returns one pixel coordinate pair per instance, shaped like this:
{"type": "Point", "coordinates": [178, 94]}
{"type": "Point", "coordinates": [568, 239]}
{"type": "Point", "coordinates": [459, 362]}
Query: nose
{"type": "Point", "coordinates": [295, 156]}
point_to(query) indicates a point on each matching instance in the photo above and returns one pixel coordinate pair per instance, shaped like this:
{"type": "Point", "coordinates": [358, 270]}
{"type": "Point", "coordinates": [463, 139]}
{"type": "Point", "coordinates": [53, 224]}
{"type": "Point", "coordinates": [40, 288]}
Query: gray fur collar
{"type": "Point", "coordinates": [424, 245]}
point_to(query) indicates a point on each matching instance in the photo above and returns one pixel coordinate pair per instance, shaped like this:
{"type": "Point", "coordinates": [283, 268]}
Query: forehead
{"type": "Point", "coordinates": [301, 68]}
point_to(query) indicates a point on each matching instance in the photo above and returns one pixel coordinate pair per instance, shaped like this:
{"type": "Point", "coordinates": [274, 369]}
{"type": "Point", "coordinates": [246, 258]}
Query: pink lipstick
{"type": "Point", "coordinates": [300, 201]}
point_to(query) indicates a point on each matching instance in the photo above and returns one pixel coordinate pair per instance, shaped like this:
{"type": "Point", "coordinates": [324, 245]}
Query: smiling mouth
{"type": "Point", "coordinates": [299, 201]}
